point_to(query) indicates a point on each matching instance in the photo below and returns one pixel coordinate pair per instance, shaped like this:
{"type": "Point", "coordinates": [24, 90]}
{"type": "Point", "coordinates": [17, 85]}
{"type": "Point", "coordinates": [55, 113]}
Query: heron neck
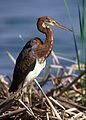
{"type": "Point", "coordinates": [44, 50]}
{"type": "Point", "coordinates": [49, 36]}
{"type": "Point", "coordinates": [49, 41]}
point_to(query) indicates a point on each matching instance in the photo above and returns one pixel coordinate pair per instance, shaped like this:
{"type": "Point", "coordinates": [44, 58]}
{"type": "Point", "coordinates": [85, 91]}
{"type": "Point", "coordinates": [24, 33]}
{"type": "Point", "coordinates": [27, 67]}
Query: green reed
{"type": "Point", "coordinates": [74, 36]}
{"type": "Point", "coordinates": [82, 26]}
{"type": "Point", "coordinates": [81, 14]}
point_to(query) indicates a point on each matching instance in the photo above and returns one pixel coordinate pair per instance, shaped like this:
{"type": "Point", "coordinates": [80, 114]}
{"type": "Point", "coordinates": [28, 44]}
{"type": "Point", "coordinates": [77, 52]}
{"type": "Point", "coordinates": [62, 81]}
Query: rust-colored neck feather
{"type": "Point", "coordinates": [44, 50]}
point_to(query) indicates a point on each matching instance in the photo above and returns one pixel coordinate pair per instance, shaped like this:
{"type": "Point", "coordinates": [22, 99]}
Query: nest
{"type": "Point", "coordinates": [65, 99]}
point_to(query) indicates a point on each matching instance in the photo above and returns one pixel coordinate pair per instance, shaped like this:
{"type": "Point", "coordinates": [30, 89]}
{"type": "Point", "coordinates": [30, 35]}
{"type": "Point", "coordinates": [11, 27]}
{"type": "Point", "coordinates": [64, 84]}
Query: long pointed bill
{"type": "Point", "coordinates": [62, 27]}
{"type": "Point", "coordinates": [54, 23]}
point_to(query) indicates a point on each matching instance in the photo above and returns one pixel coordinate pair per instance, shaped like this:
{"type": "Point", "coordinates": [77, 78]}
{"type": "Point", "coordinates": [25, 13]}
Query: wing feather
{"type": "Point", "coordinates": [24, 64]}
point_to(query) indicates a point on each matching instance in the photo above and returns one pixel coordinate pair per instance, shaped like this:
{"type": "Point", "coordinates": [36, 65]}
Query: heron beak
{"type": "Point", "coordinates": [54, 23]}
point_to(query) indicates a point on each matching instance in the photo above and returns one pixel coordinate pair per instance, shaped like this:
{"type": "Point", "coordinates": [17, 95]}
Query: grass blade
{"type": "Point", "coordinates": [75, 43]}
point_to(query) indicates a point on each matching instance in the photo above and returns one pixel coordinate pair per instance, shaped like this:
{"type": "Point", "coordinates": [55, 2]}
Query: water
{"type": "Point", "coordinates": [18, 17]}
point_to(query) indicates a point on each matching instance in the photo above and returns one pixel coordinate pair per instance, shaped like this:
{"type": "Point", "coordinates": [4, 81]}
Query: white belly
{"type": "Point", "coordinates": [36, 71]}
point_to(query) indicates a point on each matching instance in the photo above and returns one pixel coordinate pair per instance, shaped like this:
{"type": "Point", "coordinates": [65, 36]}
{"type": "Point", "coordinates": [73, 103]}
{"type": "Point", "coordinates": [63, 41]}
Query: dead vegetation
{"type": "Point", "coordinates": [65, 99]}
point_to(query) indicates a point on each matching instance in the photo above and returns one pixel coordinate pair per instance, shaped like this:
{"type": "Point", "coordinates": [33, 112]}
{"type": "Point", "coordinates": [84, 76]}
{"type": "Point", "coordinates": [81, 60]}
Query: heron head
{"type": "Point", "coordinates": [45, 21]}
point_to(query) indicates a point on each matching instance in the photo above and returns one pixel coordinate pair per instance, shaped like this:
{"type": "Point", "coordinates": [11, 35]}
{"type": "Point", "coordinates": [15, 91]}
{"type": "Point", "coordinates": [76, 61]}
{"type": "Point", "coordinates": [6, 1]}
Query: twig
{"type": "Point", "coordinates": [76, 116]}
{"type": "Point", "coordinates": [56, 102]}
{"type": "Point", "coordinates": [28, 109]}
{"type": "Point", "coordinates": [55, 57]}
{"type": "Point", "coordinates": [51, 105]}
{"type": "Point", "coordinates": [66, 59]}
{"type": "Point", "coordinates": [11, 57]}
{"type": "Point", "coordinates": [45, 78]}
{"type": "Point", "coordinates": [71, 103]}
{"type": "Point", "coordinates": [70, 84]}
{"type": "Point", "coordinates": [6, 105]}
{"type": "Point", "coordinates": [47, 116]}
{"type": "Point", "coordinates": [12, 113]}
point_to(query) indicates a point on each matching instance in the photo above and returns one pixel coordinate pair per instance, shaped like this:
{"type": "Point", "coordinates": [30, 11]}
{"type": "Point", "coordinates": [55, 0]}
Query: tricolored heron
{"type": "Point", "coordinates": [32, 58]}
